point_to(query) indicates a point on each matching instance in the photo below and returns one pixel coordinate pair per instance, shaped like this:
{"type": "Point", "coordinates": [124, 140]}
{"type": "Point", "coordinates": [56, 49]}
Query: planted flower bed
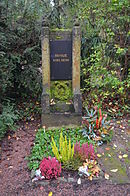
{"type": "Point", "coordinates": [70, 149]}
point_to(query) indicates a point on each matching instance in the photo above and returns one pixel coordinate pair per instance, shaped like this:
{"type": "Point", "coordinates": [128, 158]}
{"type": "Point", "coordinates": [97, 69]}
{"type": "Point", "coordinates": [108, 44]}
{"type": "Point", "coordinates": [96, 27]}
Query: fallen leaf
{"type": "Point", "coordinates": [10, 167]}
{"type": "Point", "coordinates": [109, 155]}
{"type": "Point", "coordinates": [95, 170]}
{"type": "Point", "coordinates": [9, 137]}
{"type": "Point", "coordinates": [90, 178]}
{"type": "Point", "coordinates": [125, 155]}
{"type": "Point", "coordinates": [115, 145]}
{"type": "Point", "coordinates": [34, 179]}
{"type": "Point", "coordinates": [113, 110]}
{"type": "Point", "coordinates": [14, 136]}
{"type": "Point", "coordinates": [41, 188]}
{"type": "Point", "coordinates": [97, 138]}
{"type": "Point", "coordinates": [107, 149]}
{"type": "Point", "coordinates": [50, 194]}
{"type": "Point", "coordinates": [106, 176]}
{"type": "Point", "coordinates": [99, 155]}
{"type": "Point", "coordinates": [118, 122]}
{"type": "Point", "coordinates": [79, 181]}
{"type": "Point", "coordinates": [114, 170]}
{"type": "Point", "coordinates": [120, 157]}
{"type": "Point", "coordinates": [105, 132]}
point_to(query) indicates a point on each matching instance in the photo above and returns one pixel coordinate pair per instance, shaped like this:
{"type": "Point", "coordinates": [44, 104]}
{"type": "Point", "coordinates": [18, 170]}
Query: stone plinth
{"type": "Point", "coordinates": [61, 120]}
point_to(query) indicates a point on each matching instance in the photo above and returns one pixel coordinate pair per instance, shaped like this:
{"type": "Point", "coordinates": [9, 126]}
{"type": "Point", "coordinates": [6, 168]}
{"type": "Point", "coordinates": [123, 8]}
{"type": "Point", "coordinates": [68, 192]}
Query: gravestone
{"type": "Point", "coordinates": [61, 61]}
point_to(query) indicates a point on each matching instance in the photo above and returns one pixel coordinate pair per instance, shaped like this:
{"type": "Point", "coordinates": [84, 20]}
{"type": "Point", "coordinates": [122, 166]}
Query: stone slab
{"type": "Point", "coordinates": [61, 120]}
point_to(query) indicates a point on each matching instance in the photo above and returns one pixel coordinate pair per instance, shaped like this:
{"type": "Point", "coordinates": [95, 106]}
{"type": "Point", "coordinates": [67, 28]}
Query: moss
{"type": "Point", "coordinates": [62, 30]}
{"type": "Point", "coordinates": [127, 161]}
{"type": "Point", "coordinates": [58, 37]}
{"type": "Point", "coordinates": [61, 90]}
{"type": "Point", "coordinates": [114, 163]}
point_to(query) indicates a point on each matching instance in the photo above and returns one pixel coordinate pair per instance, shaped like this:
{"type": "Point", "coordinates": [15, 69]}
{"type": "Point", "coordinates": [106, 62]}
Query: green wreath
{"type": "Point", "coordinates": [61, 90]}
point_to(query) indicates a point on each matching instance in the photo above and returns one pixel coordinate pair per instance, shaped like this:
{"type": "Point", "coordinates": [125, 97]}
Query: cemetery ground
{"type": "Point", "coordinates": [113, 159]}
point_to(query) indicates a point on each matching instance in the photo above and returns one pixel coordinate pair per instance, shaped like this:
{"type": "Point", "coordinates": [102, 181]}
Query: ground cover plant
{"type": "Point", "coordinates": [77, 153]}
{"type": "Point", "coordinates": [42, 144]}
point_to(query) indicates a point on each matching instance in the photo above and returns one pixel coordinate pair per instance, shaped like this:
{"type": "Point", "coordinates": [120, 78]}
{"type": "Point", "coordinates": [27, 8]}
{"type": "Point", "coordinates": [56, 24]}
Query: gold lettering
{"type": "Point", "coordinates": [56, 60]}
{"type": "Point", "coordinates": [61, 55]}
{"type": "Point", "coordinates": [64, 60]}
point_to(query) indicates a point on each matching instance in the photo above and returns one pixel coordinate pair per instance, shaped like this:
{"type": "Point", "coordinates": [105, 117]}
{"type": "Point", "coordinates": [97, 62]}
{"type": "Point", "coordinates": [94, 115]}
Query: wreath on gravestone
{"type": "Point", "coordinates": [61, 90]}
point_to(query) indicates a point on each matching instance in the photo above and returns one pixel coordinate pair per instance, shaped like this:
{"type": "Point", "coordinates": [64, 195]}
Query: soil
{"type": "Point", "coordinates": [15, 177]}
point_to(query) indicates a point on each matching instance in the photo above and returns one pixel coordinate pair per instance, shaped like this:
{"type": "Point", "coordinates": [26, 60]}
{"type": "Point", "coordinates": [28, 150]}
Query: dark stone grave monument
{"type": "Point", "coordinates": [61, 61]}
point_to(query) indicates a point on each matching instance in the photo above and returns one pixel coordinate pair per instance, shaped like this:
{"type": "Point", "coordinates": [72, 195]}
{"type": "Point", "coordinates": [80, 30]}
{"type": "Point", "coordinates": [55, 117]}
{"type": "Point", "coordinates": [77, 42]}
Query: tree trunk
{"type": "Point", "coordinates": [57, 8]}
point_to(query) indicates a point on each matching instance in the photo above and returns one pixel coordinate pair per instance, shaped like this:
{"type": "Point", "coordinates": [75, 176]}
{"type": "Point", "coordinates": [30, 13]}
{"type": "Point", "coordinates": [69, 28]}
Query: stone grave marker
{"type": "Point", "coordinates": [61, 61]}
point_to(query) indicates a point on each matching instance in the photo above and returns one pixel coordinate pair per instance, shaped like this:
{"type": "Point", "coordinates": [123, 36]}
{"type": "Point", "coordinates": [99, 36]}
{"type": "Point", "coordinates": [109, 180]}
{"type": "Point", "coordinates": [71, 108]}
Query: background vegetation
{"type": "Point", "coordinates": [104, 53]}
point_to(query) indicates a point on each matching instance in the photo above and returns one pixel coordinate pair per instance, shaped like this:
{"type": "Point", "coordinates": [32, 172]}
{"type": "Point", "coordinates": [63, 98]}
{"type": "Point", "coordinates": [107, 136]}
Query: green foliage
{"type": "Point", "coordinates": [20, 55]}
{"type": "Point", "coordinates": [104, 67]}
{"type": "Point", "coordinates": [42, 145]}
{"type": "Point", "coordinates": [65, 152]}
{"type": "Point", "coordinates": [7, 118]}
{"type": "Point", "coordinates": [95, 126]}
{"type": "Point", "coordinates": [103, 82]}
{"type": "Point", "coordinates": [28, 110]}
{"type": "Point", "coordinates": [61, 90]}
{"type": "Point", "coordinates": [104, 48]}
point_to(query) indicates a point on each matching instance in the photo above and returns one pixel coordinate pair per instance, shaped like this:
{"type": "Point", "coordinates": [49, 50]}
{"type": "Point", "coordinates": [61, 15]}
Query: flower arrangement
{"type": "Point", "coordinates": [95, 126]}
{"type": "Point", "coordinates": [50, 168]}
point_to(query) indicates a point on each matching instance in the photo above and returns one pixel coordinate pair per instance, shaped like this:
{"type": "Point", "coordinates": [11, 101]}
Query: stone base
{"type": "Point", "coordinates": [53, 120]}
{"type": "Point", "coordinates": [62, 107]}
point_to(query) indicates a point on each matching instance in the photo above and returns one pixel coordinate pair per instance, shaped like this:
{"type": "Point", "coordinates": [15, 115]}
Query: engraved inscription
{"type": "Point", "coordinates": [61, 60]}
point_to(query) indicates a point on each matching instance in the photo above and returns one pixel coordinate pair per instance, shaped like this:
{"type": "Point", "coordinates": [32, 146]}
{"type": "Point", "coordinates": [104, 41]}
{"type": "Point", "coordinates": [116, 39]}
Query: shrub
{"type": "Point", "coordinates": [65, 153]}
{"type": "Point", "coordinates": [84, 152]}
{"type": "Point", "coordinates": [7, 118]}
{"type": "Point", "coordinates": [50, 168]}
